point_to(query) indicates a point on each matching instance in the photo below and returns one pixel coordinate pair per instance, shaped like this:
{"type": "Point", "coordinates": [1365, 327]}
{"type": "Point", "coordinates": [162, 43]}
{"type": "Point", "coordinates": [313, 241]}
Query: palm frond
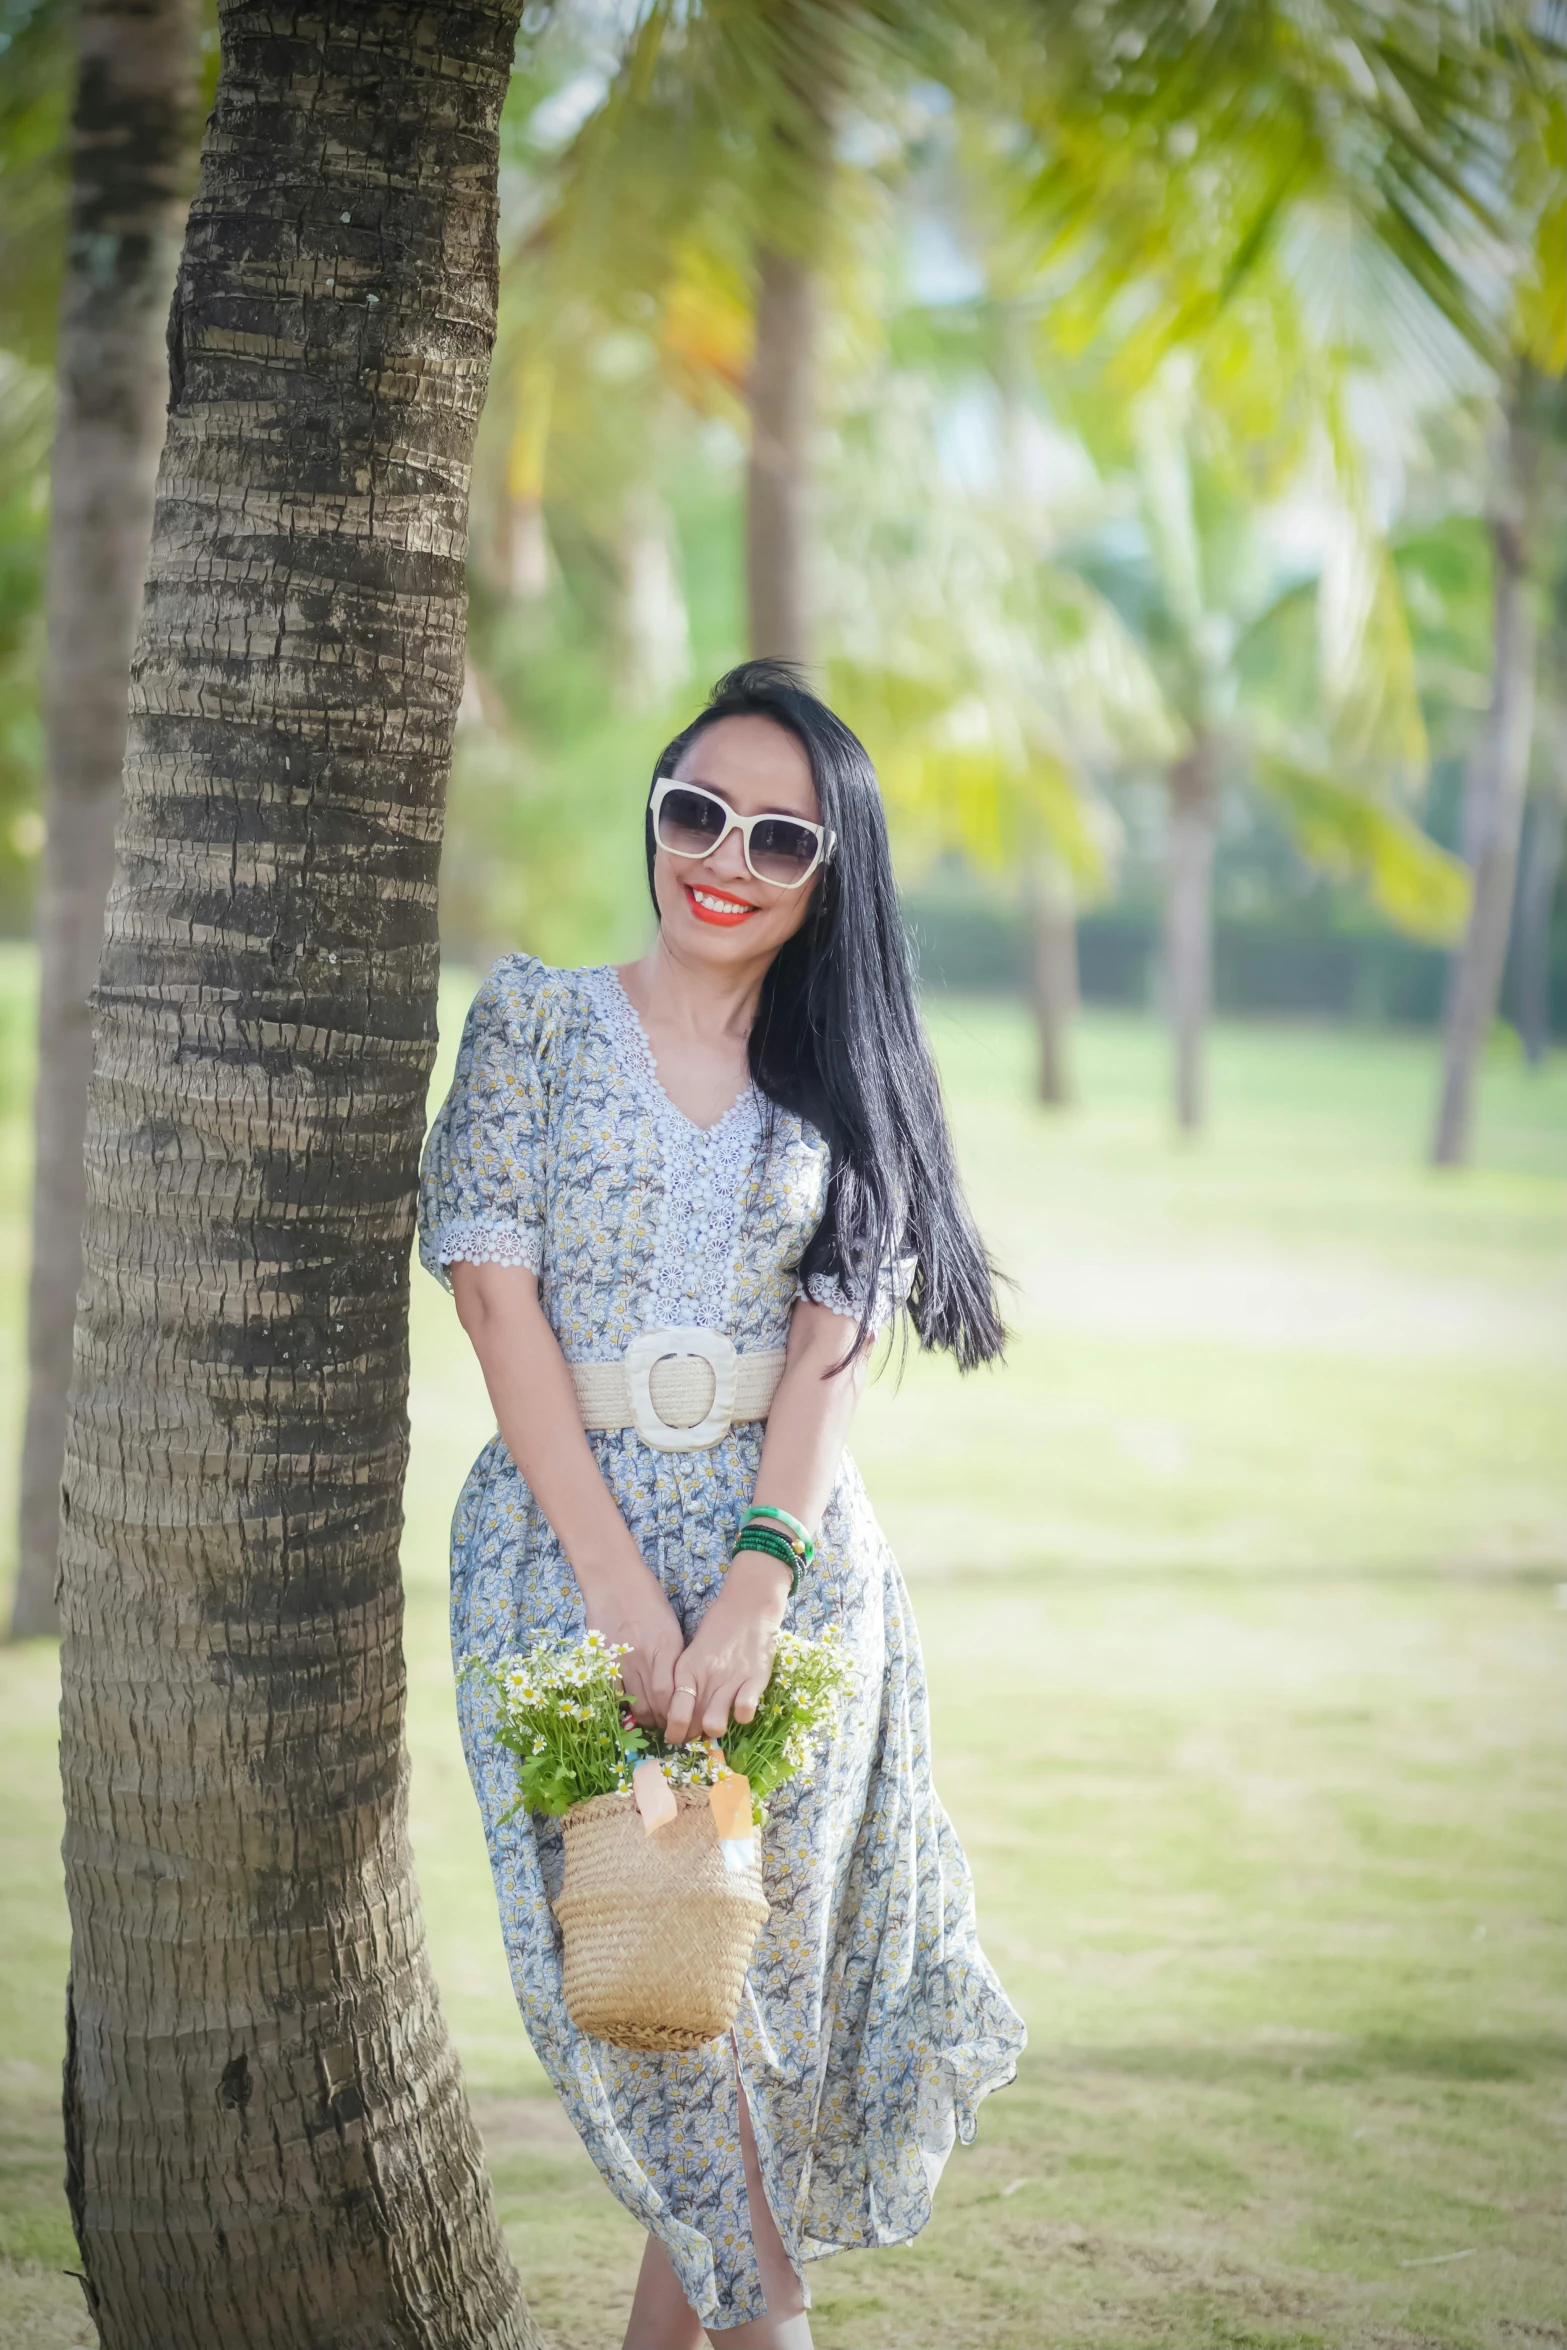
{"type": "Point", "coordinates": [1346, 828]}
{"type": "Point", "coordinates": [1177, 153]}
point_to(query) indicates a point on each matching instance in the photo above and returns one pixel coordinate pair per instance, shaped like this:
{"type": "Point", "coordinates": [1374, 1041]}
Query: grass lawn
{"type": "Point", "coordinates": [1240, 1597]}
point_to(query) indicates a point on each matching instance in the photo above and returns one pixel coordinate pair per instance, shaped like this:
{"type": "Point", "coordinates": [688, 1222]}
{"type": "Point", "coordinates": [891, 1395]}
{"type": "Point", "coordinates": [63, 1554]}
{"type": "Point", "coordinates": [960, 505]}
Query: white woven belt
{"type": "Point", "coordinates": [680, 1389]}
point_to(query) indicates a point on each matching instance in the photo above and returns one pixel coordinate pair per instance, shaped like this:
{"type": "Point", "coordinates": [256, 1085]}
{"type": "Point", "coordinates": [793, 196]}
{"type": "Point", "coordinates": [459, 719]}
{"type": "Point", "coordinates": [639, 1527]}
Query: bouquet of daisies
{"type": "Point", "coordinates": [662, 1897]}
{"type": "Point", "coordinates": [561, 1710]}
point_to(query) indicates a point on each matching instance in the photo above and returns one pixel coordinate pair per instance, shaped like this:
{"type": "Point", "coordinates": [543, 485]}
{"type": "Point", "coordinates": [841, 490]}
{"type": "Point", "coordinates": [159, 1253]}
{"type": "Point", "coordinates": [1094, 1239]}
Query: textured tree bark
{"type": "Point", "coordinates": [778, 475]}
{"type": "Point", "coordinates": [1053, 997]}
{"type": "Point", "coordinates": [268, 2142]}
{"type": "Point", "coordinates": [1188, 925]}
{"type": "Point", "coordinates": [133, 134]}
{"type": "Point", "coordinates": [1536, 896]}
{"type": "Point", "coordinates": [1498, 782]}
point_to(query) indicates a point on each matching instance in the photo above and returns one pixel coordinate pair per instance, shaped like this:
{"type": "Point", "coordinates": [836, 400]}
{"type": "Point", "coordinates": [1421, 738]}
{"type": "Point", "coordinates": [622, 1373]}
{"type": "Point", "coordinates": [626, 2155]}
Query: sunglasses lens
{"type": "Point", "coordinates": [781, 850]}
{"type": "Point", "coordinates": [689, 823]}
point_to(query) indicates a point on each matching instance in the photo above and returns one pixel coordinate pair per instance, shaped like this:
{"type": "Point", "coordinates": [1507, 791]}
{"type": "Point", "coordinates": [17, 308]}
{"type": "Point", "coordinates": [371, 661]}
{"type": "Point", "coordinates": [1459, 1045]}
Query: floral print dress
{"type": "Point", "coordinates": [872, 2023]}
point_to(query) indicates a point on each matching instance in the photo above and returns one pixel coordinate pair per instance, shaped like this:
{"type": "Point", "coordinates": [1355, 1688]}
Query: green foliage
{"type": "Point", "coordinates": [544, 835]}
{"type": "Point", "coordinates": [1199, 246]}
{"type": "Point", "coordinates": [37, 77]}
{"type": "Point", "coordinates": [561, 1710]}
{"type": "Point", "coordinates": [989, 681]}
{"type": "Point", "coordinates": [809, 1683]}
{"type": "Point", "coordinates": [37, 67]}
{"type": "Point", "coordinates": [543, 845]}
{"type": "Point", "coordinates": [26, 415]}
{"type": "Point", "coordinates": [1200, 249]}
{"type": "Point", "coordinates": [37, 58]}
{"type": "Point", "coordinates": [1418, 886]}
{"type": "Point", "coordinates": [1175, 157]}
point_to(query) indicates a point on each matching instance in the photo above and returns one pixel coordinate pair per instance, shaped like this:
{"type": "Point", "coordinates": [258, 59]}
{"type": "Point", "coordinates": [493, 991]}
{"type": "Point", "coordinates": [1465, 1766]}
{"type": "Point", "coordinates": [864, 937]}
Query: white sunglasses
{"type": "Point", "coordinates": [783, 851]}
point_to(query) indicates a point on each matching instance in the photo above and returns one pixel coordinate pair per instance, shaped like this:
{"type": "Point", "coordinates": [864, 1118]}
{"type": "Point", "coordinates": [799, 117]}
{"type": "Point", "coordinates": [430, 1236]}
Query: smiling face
{"type": "Point", "coordinates": [713, 909]}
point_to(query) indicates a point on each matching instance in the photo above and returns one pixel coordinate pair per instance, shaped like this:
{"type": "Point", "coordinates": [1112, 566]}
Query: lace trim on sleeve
{"type": "Point", "coordinates": [893, 1283]}
{"type": "Point", "coordinates": [468, 1241]}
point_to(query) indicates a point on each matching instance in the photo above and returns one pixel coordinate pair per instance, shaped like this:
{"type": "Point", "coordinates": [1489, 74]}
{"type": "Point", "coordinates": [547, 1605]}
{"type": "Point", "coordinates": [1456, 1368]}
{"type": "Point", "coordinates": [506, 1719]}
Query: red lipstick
{"type": "Point", "coordinates": [736, 909]}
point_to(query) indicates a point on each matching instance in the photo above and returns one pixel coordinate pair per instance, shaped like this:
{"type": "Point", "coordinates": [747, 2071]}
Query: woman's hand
{"type": "Point", "coordinates": [634, 1609]}
{"type": "Point", "coordinates": [536, 1411]}
{"type": "Point", "coordinates": [726, 1667]}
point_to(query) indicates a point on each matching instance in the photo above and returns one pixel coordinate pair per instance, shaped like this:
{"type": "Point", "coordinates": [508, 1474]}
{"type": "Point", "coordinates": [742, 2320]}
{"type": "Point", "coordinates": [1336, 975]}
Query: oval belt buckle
{"type": "Point", "coordinates": [657, 1346]}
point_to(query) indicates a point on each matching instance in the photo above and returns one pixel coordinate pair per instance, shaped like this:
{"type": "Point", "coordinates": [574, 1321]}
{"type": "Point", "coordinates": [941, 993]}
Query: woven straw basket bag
{"type": "Point", "coordinates": [658, 1931]}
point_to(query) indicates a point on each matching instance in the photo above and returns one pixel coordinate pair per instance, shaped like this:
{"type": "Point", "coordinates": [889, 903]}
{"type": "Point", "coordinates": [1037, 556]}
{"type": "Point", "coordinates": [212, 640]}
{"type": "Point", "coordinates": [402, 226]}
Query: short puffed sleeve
{"type": "Point", "coordinates": [894, 1280]}
{"type": "Point", "coordinates": [481, 1180]}
{"type": "Point", "coordinates": [890, 1292]}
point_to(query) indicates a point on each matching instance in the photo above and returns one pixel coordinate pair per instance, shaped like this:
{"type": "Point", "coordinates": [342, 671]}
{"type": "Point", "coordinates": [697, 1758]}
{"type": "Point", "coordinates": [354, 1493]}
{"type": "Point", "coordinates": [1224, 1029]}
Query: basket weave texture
{"type": "Point", "coordinates": [658, 1932]}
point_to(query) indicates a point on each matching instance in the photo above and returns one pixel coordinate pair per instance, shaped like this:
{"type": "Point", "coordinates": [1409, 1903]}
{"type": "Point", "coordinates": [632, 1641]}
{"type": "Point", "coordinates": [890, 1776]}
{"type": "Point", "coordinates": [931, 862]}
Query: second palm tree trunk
{"type": "Point", "coordinates": [1053, 988]}
{"type": "Point", "coordinates": [1188, 925]}
{"type": "Point", "coordinates": [1498, 785]}
{"type": "Point", "coordinates": [1536, 898]}
{"type": "Point", "coordinates": [133, 134]}
{"type": "Point", "coordinates": [778, 482]}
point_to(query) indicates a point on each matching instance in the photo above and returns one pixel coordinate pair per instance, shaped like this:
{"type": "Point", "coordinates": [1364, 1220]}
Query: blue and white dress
{"type": "Point", "coordinates": [872, 2024]}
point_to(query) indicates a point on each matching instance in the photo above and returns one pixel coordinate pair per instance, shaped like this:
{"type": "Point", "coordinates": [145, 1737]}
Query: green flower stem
{"type": "Point", "coordinates": [560, 1710]}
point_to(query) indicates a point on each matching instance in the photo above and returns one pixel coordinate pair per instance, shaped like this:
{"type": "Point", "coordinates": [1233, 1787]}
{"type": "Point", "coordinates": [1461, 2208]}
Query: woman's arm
{"type": "Point", "coordinates": [536, 1411]}
{"type": "Point", "coordinates": [727, 1664]}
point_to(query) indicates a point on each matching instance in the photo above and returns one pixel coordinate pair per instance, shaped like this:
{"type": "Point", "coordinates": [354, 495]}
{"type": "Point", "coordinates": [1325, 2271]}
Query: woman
{"type": "Point", "coordinates": [740, 1133]}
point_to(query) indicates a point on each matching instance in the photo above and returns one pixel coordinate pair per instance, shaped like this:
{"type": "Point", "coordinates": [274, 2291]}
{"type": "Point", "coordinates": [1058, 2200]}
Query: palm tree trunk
{"type": "Point", "coordinates": [1536, 896]}
{"type": "Point", "coordinates": [1188, 935]}
{"type": "Point", "coordinates": [525, 564]}
{"type": "Point", "coordinates": [133, 133]}
{"type": "Point", "coordinates": [1053, 996]}
{"type": "Point", "coordinates": [268, 2142]}
{"type": "Point", "coordinates": [653, 652]}
{"type": "Point", "coordinates": [778, 476]}
{"type": "Point", "coordinates": [795, 196]}
{"type": "Point", "coordinates": [524, 567]}
{"type": "Point", "coordinates": [1498, 781]}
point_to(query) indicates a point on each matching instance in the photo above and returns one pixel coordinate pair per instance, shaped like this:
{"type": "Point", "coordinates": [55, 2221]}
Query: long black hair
{"type": "Point", "coordinates": [838, 1039]}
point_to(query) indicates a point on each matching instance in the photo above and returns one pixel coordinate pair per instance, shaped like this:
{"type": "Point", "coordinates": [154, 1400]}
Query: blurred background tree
{"type": "Point", "coordinates": [1524, 515]}
{"type": "Point", "coordinates": [1212, 321]}
{"type": "Point", "coordinates": [132, 156]}
{"type": "Point", "coordinates": [1105, 402]}
{"type": "Point", "coordinates": [36, 54]}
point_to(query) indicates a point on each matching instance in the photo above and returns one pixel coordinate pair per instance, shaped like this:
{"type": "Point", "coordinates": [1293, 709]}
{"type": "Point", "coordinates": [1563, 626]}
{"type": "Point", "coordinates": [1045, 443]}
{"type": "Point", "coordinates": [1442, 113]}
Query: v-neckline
{"type": "Point", "coordinates": [642, 1046]}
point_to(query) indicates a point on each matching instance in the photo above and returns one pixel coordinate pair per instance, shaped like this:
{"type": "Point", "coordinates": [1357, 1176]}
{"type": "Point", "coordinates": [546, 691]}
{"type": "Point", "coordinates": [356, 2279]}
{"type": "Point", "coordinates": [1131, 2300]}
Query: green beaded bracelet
{"type": "Point", "coordinates": [766, 1544]}
{"type": "Point", "coordinates": [762, 1538]}
{"type": "Point", "coordinates": [793, 1569]}
{"type": "Point", "coordinates": [799, 1536]}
